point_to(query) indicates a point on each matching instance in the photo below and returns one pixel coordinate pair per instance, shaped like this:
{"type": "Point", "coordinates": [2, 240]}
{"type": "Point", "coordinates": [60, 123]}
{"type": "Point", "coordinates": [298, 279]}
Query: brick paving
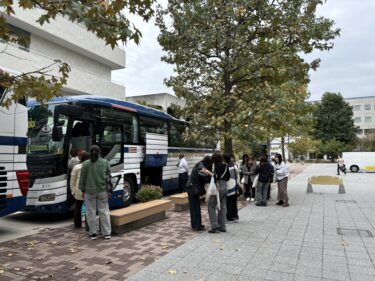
{"type": "Point", "coordinates": [66, 254]}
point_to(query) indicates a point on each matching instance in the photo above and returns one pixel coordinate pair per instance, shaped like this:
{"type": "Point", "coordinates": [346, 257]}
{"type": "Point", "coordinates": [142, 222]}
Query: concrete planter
{"type": "Point", "coordinates": [135, 216]}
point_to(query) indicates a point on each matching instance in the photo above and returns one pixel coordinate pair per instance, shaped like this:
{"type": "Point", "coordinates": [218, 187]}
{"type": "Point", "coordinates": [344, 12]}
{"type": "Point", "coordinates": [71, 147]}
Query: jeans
{"type": "Point", "coordinates": [195, 209]}
{"type": "Point", "coordinates": [262, 192]}
{"type": "Point", "coordinates": [217, 219]}
{"type": "Point", "coordinates": [182, 181]}
{"type": "Point", "coordinates": [98, 201]}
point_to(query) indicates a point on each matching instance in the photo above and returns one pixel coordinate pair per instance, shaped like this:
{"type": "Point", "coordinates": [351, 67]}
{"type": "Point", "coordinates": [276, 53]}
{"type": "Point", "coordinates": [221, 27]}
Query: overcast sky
{"type": "Point", "coordinates": [349, 68]}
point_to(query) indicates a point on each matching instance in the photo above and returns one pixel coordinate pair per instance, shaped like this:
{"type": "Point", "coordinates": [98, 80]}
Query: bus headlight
{"type": "Point", "coordinates": [47, 197]}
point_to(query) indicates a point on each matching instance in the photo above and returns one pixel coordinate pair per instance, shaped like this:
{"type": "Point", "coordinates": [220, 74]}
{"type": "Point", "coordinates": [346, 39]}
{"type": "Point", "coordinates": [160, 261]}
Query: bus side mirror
{"type": "Point", "coordinates": [57, 133]}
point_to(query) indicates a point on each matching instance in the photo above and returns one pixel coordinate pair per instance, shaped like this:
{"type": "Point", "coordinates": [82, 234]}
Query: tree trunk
{"type": "Point", "coordinates": [283, 148]}
{"type": "Point", "coordinates": [269, 149]}
{"type": "Point", "coordinates": [228, 142]}
{"type": "Point", "coordinates": [228, 146]}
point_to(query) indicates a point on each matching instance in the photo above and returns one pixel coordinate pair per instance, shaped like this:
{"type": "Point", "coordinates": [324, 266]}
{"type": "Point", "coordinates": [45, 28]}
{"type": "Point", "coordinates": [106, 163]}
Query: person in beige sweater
{"type": "Point", "coordinates": [74, 188]}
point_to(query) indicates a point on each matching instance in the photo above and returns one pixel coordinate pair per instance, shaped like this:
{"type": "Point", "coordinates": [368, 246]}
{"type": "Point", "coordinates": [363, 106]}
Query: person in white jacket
{"type": "Point", "coordinates": [76, 192]}
{"type": "Point", "coordinates": [282, 173]}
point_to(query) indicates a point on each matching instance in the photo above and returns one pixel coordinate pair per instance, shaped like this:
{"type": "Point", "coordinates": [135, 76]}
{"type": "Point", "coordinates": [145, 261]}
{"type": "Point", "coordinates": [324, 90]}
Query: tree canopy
{"type": "Point", "coordinates": [236, 61]}
{"type": "Point", "coordinates": [107, 19]}
{"type": "Point", "coordinates": [334, 120]}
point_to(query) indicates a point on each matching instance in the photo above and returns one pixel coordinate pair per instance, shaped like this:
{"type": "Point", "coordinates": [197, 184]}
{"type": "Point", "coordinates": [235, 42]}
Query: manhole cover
{"type": "Point", "coordinates": [354, 232]}
{"type": "Point", "coordinates": [346, 201]}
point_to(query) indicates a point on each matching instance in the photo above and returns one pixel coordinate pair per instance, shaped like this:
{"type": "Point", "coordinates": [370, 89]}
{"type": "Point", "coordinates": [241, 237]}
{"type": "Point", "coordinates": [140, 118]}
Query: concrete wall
{"type": "Point", "coordinates": [91, 61]}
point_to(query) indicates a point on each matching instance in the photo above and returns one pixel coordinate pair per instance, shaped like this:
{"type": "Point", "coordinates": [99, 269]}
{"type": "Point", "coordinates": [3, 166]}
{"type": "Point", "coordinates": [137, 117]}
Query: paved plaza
{"type": "Point", "coordinates": [273, 243]}
{"type": "Point", "coordinates": [296, 243]}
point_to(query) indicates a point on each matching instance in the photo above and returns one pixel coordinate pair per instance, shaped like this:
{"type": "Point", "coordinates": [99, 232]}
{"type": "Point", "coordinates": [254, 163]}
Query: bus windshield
{"type": "Point", "coordinates": [39, 134]}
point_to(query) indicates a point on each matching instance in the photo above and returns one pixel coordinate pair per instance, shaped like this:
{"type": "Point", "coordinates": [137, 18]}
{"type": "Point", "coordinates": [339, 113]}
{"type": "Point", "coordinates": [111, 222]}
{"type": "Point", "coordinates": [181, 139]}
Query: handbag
{"type": "Point", "coordinates": [197, 189]}
{"type": "Point", "coordinates": [256, 180]}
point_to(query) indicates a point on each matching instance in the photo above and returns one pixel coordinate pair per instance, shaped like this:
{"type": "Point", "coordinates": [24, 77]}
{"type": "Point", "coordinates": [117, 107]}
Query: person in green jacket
{"type": "Point", "coordinates": [94, 187]}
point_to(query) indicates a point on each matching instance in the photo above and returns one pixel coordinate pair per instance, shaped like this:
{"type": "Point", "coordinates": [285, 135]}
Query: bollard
{"type": "Point", "coordinates": [309, 188]}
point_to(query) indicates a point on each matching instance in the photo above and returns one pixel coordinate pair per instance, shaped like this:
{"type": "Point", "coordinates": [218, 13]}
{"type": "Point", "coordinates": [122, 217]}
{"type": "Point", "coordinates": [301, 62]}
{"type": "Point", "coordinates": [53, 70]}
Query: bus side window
{"type": "Point", "coordinates": [155, 126]}
{"type": "Point", "coordinates": [111, 144]}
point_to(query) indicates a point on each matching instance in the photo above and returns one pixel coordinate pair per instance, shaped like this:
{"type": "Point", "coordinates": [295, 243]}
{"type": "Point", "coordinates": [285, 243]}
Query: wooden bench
{"type": "Point", "coordinates": [180, 201]}
{"type": "Point", "coordinates": [325, 180]}
{"type": "Point", "coordinates": [135, 216]}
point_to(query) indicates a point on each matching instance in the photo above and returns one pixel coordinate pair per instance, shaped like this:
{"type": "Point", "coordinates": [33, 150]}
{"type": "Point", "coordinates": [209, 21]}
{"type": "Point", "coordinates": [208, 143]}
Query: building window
{"type": "Point", "coordinates": [357, 107]}
{"type": "Point", "coordinates": [357, 120]}
{"type": "Point", "coordinates": [367, 106]}
{"type": "Point", "coordinates": [368, 119]}
{"type": "Point", "coordinates": [19, 36]}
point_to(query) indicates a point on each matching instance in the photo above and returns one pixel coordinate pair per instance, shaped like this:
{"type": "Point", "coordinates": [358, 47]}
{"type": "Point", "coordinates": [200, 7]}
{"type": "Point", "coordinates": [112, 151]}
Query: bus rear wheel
{"type": "Point", "coordinates": [354, 169]}
{"type": "Point", "coordinates": [128, 191]}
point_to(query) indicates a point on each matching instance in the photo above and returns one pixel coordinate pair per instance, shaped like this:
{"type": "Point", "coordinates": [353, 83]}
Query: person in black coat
{"type": "Point", "coordinates": [200, 175]}
{"type": "Point", "coordinates": [265, 173]}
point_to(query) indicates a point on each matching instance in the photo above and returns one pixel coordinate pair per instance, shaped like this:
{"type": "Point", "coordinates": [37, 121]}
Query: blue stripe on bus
{"type": "Point", "coordinates": [12, 205]}
{"type": "Point", "coordinates": [13, 140]}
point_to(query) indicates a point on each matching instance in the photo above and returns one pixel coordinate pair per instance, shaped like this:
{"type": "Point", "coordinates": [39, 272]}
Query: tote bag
{"type": "Point", "coordinates": [255, 182]}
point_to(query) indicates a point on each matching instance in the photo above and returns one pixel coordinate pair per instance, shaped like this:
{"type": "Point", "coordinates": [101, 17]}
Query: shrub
{"type": "Point", "coordinates": [149, 193]}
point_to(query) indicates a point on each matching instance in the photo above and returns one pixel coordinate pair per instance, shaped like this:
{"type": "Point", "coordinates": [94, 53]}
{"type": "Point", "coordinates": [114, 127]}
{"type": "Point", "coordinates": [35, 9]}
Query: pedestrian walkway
{"type": "Point", "coordinates": [321, 236]}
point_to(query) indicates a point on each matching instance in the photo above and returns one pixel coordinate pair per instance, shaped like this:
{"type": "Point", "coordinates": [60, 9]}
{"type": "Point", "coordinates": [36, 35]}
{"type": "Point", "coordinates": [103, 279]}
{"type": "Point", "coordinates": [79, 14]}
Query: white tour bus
{"type": "Point", "coordinates": [14, 177]}
{"type": "Point", "coordinates": [359, 161]}
{"type": "Point", "coordinates": [142, 145]}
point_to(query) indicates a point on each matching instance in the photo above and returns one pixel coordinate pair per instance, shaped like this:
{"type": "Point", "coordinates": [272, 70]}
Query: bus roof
{"type": "Point", "coordinates": [110, 102]}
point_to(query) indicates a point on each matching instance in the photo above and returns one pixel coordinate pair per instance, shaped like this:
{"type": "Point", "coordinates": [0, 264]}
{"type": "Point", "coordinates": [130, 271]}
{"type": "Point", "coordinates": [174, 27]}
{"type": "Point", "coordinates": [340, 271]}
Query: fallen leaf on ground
{"type": "Point", "coordinates": [216, 241]}
{"type": "Point", "coordinates": [202, 279]}
{"type": "Point", "coordinates": [172, 271]}
{"type": "Point", "coordinates": [72, 251]}
{"type": "Point", "coordinates": [53, 242]}
{"type": "Point", "coordinates": [2, 271]}
{"type": "Point", "coordinates": [14, 242]}
{"type": "Point", "coordinates": [30, 243]}
{"type": "Point", "coordinates": [344, 243]}
{"type": "Point", "coordinates": [108, 262]}
{"type": "Point", "coordinates": [30, 267]}
{"type": "Point", "coordinates": [10, 255]}
{"type": "Point", "coordinates": [238, 250]}
{"type": "Point", "coordinates": [17, 269]}
{"type": "Point", "coordinates": [222, 248]}
{"type": "Point", "coordinates": [75, 268]}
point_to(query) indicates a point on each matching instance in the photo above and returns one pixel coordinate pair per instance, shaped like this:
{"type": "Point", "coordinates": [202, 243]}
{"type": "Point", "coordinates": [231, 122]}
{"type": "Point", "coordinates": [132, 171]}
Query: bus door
{"type": "Point", "coordinates": [110, 137]}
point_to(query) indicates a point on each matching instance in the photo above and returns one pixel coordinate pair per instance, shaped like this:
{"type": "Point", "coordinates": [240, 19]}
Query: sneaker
{"type": "Point", "coordinates": [214, 230]}
{"type": "Point", "coordinates": [252, 199]}
{"type": "Point", "coordinates": [235, 220]}
{"type": "Point", "coordinates": [286, 204]}
{"type": "Point", "coordinates": [280, 202]}
{"type": "Point", "coordinates": [107, 237]}
{"type": "Point", "coordinates": [93, 236]}
{"type": "Point", "coordinates": [201, 227]}
{"type": "Point", "coordinates": [222, 230]}
{"type": "Point", "coordinates": [247, 199]}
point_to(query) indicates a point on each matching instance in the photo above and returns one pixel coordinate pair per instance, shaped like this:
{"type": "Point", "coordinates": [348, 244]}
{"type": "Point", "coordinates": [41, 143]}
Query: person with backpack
{"type": "Point", "coordinates": [282, 173]}
{"type": "Point", "coordinates": [265, 173]}
{"type": "Point", "coordinates": [93, 184]}
{"type": "Point", "coordinates": [200, 175]}
{"type": "Point", "coordinates": [232, 186]}
{"type": "Point", "coordinates": [221, 175]}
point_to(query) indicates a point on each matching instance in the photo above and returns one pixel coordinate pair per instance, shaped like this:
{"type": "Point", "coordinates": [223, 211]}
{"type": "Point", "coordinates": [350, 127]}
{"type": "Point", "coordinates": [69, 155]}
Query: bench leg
{"type": "Point", "coordinates": [309, 188]}
{"type": "Point", "coordinates": [341, 189]}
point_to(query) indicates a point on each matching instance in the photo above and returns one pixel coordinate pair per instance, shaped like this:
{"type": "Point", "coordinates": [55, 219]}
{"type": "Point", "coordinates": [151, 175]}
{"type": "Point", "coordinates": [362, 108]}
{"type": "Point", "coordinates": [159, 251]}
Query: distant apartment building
{"type": "Point", "coordinates": [163, 100]}
{"type": "Point", "coordinates": [90, 59]}
{"type": "Point", "coordinates": [363, 113]}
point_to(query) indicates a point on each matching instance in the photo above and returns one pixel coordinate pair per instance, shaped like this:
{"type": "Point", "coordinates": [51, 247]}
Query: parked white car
{"type": "Point", "coordinates": [359, 161]}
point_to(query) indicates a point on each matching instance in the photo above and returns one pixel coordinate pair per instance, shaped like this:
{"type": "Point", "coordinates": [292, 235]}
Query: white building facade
{"type": "Point", "coordinates": [164, 100]}
{"type": "Point", "coordinates": [363, 113]}
{"type": "Point", "coordinates": [91, 61]}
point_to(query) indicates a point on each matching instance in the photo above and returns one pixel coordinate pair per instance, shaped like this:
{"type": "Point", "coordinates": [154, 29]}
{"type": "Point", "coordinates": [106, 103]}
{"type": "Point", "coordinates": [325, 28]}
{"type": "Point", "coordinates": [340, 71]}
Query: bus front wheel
{"type": "Point", "coordinates": [128, 189]}
{"type": "Point", "coordinates": [354, 169]}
